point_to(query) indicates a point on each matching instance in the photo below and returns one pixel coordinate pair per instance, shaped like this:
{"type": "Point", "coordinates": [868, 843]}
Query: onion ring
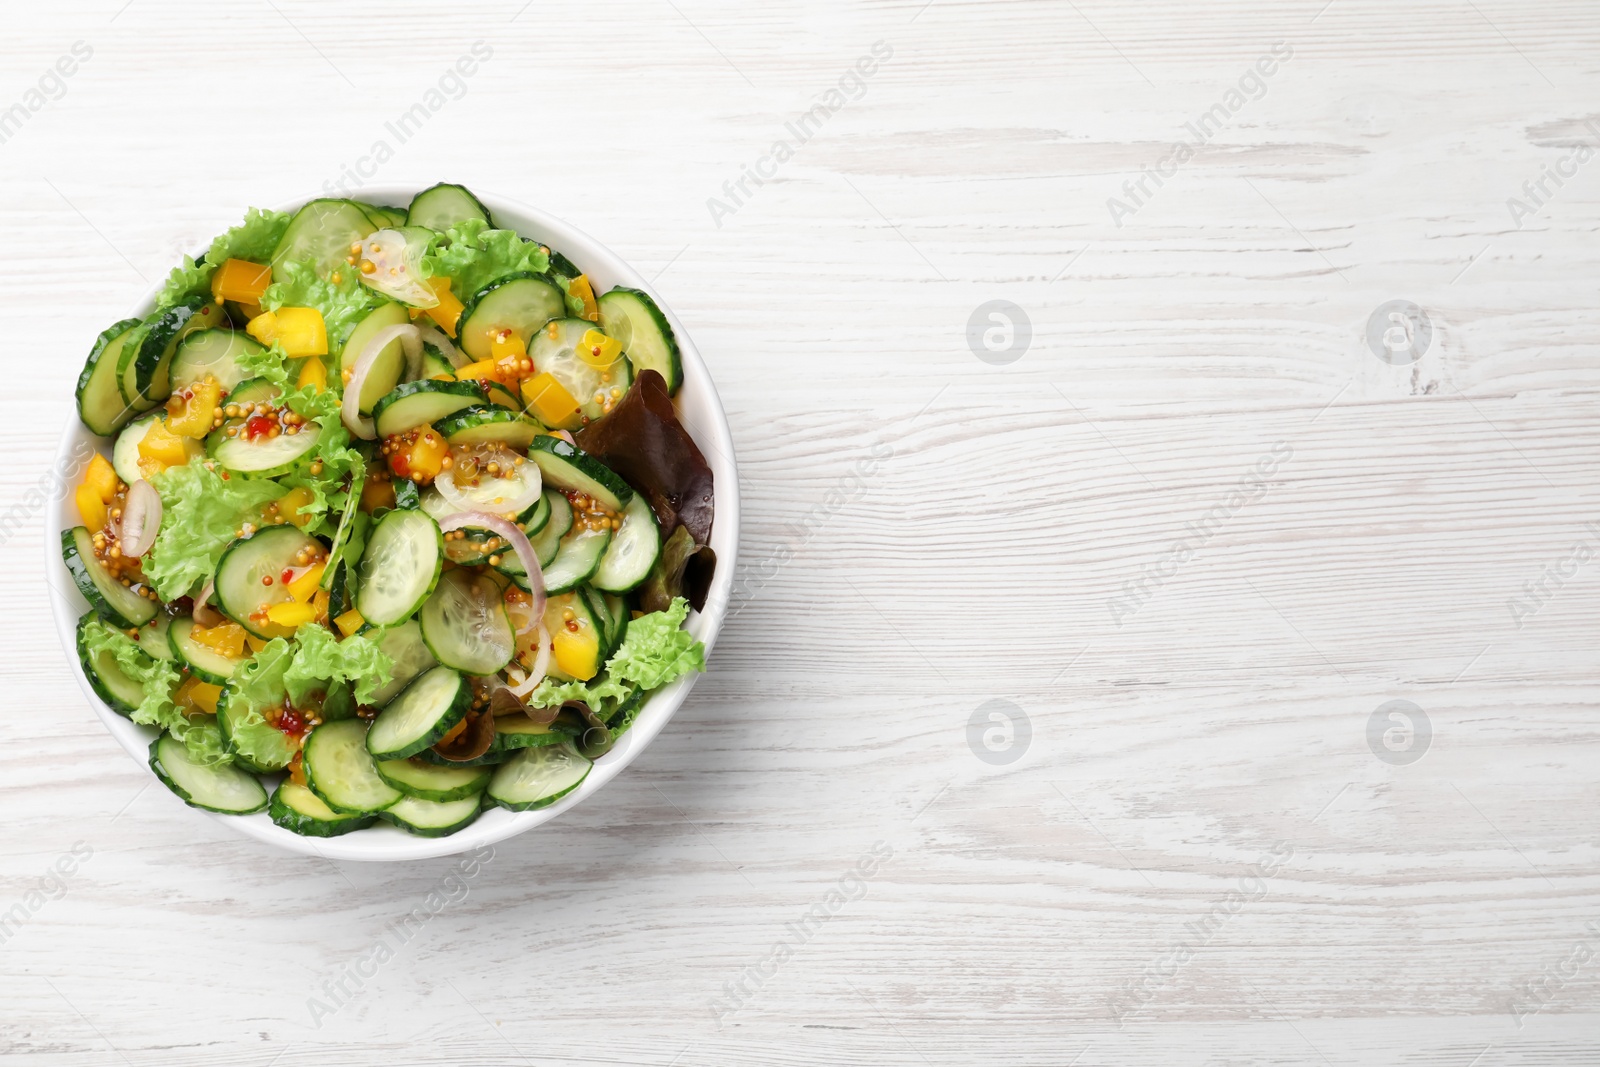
{"type": "Point", "coordinates": [350, 411]}
{"type": "Point", "coordinates": [445, 482]}
{"type": "Point", "coordinates": [205, 615]}
{"type": "Point", "coordinates": [515, 538]}
{"type": "Point", "coordinates": [141, 519]}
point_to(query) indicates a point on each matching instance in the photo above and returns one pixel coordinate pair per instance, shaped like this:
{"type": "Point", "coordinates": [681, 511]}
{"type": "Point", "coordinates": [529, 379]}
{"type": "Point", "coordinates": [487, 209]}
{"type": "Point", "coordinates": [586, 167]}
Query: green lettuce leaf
{"type": "Point", "coordinates": [256, 685]}
{"type": "Point", "coordinates": [201, 512]}
{"type": "Point", "coordinates": [595, 692]}
{"type": "Point", "coordinates": [313, 661]}
{"type": "Point", "coordinates": [159, 680]}
{"type": "Point", "coordinates": [253, 239]}
{"type": "Point", "coordinates": [343, 303]}
{"type": "Point", "coordinates": [655, 651]}
{"type": "Point", "coordinates": [321, 659]}
{"type": "Point", "coordinates": [472, 255]}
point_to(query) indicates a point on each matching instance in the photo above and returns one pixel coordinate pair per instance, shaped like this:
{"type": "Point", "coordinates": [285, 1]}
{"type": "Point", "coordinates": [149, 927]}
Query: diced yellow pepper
{"type": "Point", "coordinates": [250, 311]}
{"type": "Point", "coordinates": [161, 445]}
{"type": "Point", "coordinates": [290, 614]}
{"type": "Point", "coordinates": [377, 493]}
{"type": "Point", "coordinates": [447, 312]}
{"type": "Point", "coordinates": [241, 280]}
{"type": "Point", "coordinates": [299, 331]}
{"type": "Point", "coordinates": [304, 587]}
{"type": "Point", "coordinates": [598, 350]}
{"type": "Point", "coordinates": [483, 370]}
{"type": "Point", "coordinates": [101, 477]}
{"type": "Point", "coordinates": [576, 652]}
{"type": "Point", "coordinates": [550, 402]}
{"type": "Point", "coordinates": [225, 639]}
{"type": "Point", "coordinates": [191, 411]}
{"type": "Point", "coordinates": [291, 503]}
{"type": "Point", "coordinates": [91, 507]}
{"type": "Point", "coordinates": [198, 695]}
{"type": "Point", "coordinates": [349, 622]}
{"type": "Point", "coordinates": [256, 643]}
{"type": "Point", "coordinates": [313, 372]}
{"type": "Point", "coordinates": [319, 602]}
{"type": "Point", "coordinates": [505, 344]}
{"type": "Point", "coordinates": [580, 288]}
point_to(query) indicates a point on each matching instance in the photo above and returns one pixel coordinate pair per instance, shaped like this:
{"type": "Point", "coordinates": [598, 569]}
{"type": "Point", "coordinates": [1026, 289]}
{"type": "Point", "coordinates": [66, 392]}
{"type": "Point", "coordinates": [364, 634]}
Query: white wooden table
{"type": "Point", "coordinates": [1177, 845]}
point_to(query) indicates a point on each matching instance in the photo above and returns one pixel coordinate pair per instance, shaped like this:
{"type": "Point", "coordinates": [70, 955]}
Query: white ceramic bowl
{"type": "Point", "coordinates": [701, 413]}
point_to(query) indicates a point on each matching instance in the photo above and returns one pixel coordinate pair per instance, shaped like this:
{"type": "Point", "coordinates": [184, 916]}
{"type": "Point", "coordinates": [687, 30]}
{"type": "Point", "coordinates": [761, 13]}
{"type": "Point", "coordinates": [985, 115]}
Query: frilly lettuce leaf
{"type": "Point", "coordinates": [472, 255]}
{"type": "Point", "coordinates": [321, 658]}
{"type": "Point", "coordinates": [201, 512]}
{"type": "Point", "coordinates": [253, 239]}
{"type": "Point", "coordinates": [159, 681]}
{"type": "Point", "coordinates": [655, 651]}
{"type": "Point", "coordinates": [343, 303]}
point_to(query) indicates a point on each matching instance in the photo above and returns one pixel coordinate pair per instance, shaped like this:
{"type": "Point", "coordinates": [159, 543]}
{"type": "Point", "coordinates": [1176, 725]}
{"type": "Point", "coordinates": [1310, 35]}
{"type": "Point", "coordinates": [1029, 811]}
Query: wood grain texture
{"type": "Point", "coordinates": [925, 533]}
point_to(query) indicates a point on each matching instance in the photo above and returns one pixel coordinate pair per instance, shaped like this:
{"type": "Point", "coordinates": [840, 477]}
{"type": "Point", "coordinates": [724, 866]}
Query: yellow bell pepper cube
{"type": "Point", "coordinates": [161, 445]}
{"type": "Point", "coordinates": [90, 507]}
{"type": "Point", "coordinates": [192, 410]}
{"type": "Point", "coordinates": [250, 311]}
{"type": "Point", "coordinates": [580, 288]}
{"type": "Point", "coordinates": [483, 370]}
{"type": "Point", "coordinates": [290, 614]}
{"type": "Point", "coordinates": [313, 372]}
{"type": "Point", "coordinates": [447, 312]}
{"type": "Point", "coordinates": [505, 344]}
{"type": "Point", "coordinates": [303, 588]}
{"type": "Point", "coordinates": [349, 622]}
{"type": "Point", "coordinates": [225, 639]}
{"type": "Point", "coordinates": [256, 643]}
{"type": "Point", "coordinates": [299, 331]}
{"type": "Point", "coordinates": [550, 402]}
{"type": "Point", "coordinates": [241, 280]}
{"type": "Point", "coordinates": [377, 493]}
{"type": "Point", "coordinates": [598, 350]}
{"type": "Point", "coordinates": [101, 477]}
{"type": "Point", "coordinates": [198, 695]}
{"type": "Point", "coordinates": [319, 603]}
{"type": "Point", "coordinates": [291, 503]}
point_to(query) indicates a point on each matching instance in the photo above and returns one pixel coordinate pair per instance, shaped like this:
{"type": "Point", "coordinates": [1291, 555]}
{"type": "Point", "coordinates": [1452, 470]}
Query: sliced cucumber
{"type": "Point", "coordinates": [390, 364]}
{"type": "Point", "coordinates": [341, 771]}
{"type": "Point", "coordinates": [396, 255]}
{"type": "Point", "coordinates": [495, 494]}
{"type": "Point", "coordinates": [435, 364]}
{"type": "Point", "coordinates": [110, 683]}
{"type": "Point", "coordinates": [631, 317]}
{"type": "Point", "coordinates": [404, 645]}
{"type": "Point", "coordinates": [426, 400]}
{"type": "Point", "coordinates": [400, 567]}
{"type": "Point", "coordinates": [490, 758]}
{"type": "Point", "coordinates": [272, 748]}
{"type": "Point", "coordinates": [382, 217]}
{"type": "Point", "coordinates": [118, 604]}
{"type": "Point", "coordinates": [254, 391]}
{"type": "Point", "coordinates": [213, 352]}
{"type": "Point", "coordinates": [427, 818]}
{"type": "Point", "coordinates": [154, 638]}
{"type": "Point", "coordinates": [632, 552]}
{"type": "Point", "coordinates": [297, 809]}
{"type": "Point", "coordinates": [125, 453]}
{"type": "Point", "coordinates": [443, 206]}
{"type": "Point", "coordinates": [500, 396]}
{"type": "Point", "coordinates": [144, 375]}
{"type": "Point", "coordinates": [426, 781]}
{"type": "Point", "coordinates": [263, 456]}
{"type": "Point", "coordinates": [488, 425]}
{"type": "Point", "coordinates": [521, 303]}
{"type": "Point", "coordinates": [565, 467]}
{"type": "Point", "coordinates": [214, 787]}
{"type": "Point", "coordinates": [546, 542]}
{"type": "Point", "coordinates": [538, 777]}
{"type": "Point", "coordinates": [620, 616]}
{"type": "Point", "coordinates": [100, 403]}
{"type": "Point", "coordinates": [577, 560]}
{"type": "Point", "coordinates": [241, 589]}
{"type": "Point", "coordinates": [206, 664]}
{"type": "Point", "coordinates": [420, 716]}
{"type": "Point", "coordinates": [512, 732]}
{"type": "Point", "coordinates": [466, 625]}
{"type": "Point", "coordinates": [323, 232]}
{"type": "Point", "coordinates": [596, 389]}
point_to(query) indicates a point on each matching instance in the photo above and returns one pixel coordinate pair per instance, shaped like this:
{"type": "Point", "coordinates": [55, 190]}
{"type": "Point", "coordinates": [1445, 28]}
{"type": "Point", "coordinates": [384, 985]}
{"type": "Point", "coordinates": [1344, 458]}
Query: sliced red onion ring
{"type": "Point", "coordinates": [141, 519]}
{"type": "Point", "coordinates": [437, 339]}
{"type": "Point", "coordinates": [445, 482]}
{"type": "Point", "coordinates": [515, 538]}
{"type": "Point", "coordinates": [205, 615]}
{"type": "Point", "coordinates": [410, 340]}
{"type": "Point", "coordinates": [541, 666]}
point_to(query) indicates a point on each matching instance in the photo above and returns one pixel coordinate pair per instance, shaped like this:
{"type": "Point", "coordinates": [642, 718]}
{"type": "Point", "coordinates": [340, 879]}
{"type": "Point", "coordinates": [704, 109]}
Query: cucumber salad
{"type": "Point", "coordinates": [396, 520]}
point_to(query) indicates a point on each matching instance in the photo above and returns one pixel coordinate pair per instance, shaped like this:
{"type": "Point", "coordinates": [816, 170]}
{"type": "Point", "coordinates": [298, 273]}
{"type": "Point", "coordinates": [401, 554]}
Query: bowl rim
{"type": "Point", "coordinates": [385, 843]}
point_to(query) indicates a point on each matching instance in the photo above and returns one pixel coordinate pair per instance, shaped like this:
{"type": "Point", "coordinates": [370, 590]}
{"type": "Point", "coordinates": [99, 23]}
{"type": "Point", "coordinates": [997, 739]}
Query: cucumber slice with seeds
{"type": "Point", "coordinates": [546, 543]}
{"type": "Point", "coordinates": [426, 400]}
{"type": "Point", "coordinates": [632, 552]}
{"type": "Point", "coordinates": [442, 206]}
{"type": "Point", "coordinates": [400, 567]}
{"type": "Point", "coordinates": [630, 316]}
{"type": "Point", "coordinates": [106, 677]}
{"type": "Point", "coordinates": [538, 777]}
{"type": "Point", "coordinates": [565, 467]}
{"type": "Point", "coordinates": [420, 716]}
{"type": "Point", "coordinates": [100, 403]}
{"type": "Point", "coordinates": [297, 809]}
{"type": "Point", "coordinates": [154, 638]}
{"type": "Point", "coordinates": [404, 645]}
{"type": "Point", "coordinates": [466, 625]}
{"type": "Point", "coordinates": [342, 773]}
{"type": "Point", "coordinates": [425, 781]}
{"type": "Point", "coordinates": [322, 231]}
{"type": "Point", "coordinates": [240, 591]}
{"type": "Point", "coordinates": [213, 352]}
{"type": "Point", "coordinates": [118, 604]}
{"type": "Point", "coordinates": [427, 818]}
{"type": "Point", "coordinates": [213, 787]}
{"type": "Point", "coordinates": [521, 303]}
{"type": "Point", "coordinates": [125, 453]}
{"type": "Point", "coordinates": [206, 664]}
{"type": "Point", "coordinates": [596, 389]}
{"type": "Point", "coordinates": [577, 560]}
{"type": "Point", "coordinates": [266, 457]}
